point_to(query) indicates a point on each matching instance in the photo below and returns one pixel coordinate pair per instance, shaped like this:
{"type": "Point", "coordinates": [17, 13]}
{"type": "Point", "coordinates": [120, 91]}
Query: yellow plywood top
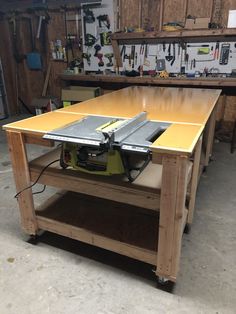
{"type": "Point", "coordinates": [43, 123]}
{"type": "Point", "coordinates": [187, 109]}
{"type": "Point", "coordinates": [180, 105]}
{"type": "Point", "coordinates": [178, 138]}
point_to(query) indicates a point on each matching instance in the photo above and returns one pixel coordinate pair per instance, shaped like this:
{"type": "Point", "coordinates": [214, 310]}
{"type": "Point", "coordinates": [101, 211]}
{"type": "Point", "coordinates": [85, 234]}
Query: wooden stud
{"type": "Point", "coordinates": [45, 85]}
{"type": "Point", "coordinates": [37, 140]}
{"type": "Point", "coordinates": [180, 216]}
{"type": "Point", "coordinates": [172, 208]}
{"type": "Point", "coordinates": [208, 138]}
{"type": "Point", "coordinates": [130, 195]}
{"type": "Point", "coordinates": [22, 180]}
{"type": "Point", "coordinates": [161, 15]}
{"type": "Point", "coordinates": [194, 180]}
{"type": "Point", "coordinates": [116, 51]}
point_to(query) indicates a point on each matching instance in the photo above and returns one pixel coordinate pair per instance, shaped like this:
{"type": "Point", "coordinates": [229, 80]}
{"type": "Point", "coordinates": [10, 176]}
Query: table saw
{"type": "Point", "coordinates": [106, 145]}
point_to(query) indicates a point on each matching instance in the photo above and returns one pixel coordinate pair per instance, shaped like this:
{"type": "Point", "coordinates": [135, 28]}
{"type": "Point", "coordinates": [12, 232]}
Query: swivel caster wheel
{"type": "Point", "coordinates": [187, 228]}
{"type": "Point", "coordinates": [33, 239]}
{"type": "Point", "coordinates": [165, 284]}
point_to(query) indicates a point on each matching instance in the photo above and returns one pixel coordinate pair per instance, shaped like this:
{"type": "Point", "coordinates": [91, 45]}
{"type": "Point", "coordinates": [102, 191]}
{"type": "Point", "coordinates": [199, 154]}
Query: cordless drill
{"type": "Point", "coordinates": [99, 55]}
{"type": "Point", "coordinates": [104, 20]}
{"type": "Point", "coordinates": [87, 56]}
{"type": "Point", "coordinates": [109, 56]}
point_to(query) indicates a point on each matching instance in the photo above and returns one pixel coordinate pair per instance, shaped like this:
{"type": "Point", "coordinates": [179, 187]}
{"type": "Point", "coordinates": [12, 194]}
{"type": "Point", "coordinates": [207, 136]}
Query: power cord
{"type": "Point", "coordinates": [36, 181]}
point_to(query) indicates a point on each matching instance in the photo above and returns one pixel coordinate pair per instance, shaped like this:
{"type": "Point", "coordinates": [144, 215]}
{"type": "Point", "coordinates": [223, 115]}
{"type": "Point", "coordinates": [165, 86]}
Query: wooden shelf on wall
{"type": "Point", "coordinates": [148, 80]}
{"type": "Point", "coordinates": [202, 34]}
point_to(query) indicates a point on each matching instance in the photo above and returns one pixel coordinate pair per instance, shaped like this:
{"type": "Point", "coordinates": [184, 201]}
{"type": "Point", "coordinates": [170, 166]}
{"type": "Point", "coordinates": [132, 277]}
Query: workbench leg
{"type": "Point", "coordinates": [208, 138]}
{"type": "Point", "coordinates": [194, 180]}
{"type": "Point", "coordinates": [172, 213]}
{"type": "Point", "coordinates": [21, 173]}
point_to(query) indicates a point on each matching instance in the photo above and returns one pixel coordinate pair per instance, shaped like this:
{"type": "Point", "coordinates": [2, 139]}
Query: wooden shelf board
{"type": "Point", "coordinates": [184, 33]}
{"type": "Point", "coordinates": [217, 82]}
{"type": "Point", "coordinates": [143, 194]}
{"type": "Point", "coordinates": [121, 228]}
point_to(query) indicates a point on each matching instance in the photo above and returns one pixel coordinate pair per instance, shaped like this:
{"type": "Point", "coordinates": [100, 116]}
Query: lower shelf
{"type": "Point", "coordinates": [121, 228]}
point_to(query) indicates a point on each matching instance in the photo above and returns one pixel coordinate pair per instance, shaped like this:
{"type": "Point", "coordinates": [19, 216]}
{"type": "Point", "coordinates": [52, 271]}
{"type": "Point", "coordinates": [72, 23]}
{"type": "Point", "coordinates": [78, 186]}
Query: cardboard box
{"type": "Point", "coordinates": [107, 91]}
{"type": "Point", "coordinates": [79, 93]}
{"type": "Point", "coordinates": [197, 23]}
{"type": "Point", "coordinates": [44, 104]}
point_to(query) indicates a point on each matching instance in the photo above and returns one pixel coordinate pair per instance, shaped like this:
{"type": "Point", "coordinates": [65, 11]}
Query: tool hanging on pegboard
{"type": "Point", "coordinates": [99, 55]}
{"type": "Point", "coordinates": [109, 56]}
{"type": "Point", "coordinates": [89, 39]}
{"type": "Point", "coordinates": [103, 20]}
{"type": "Point", "coordinates": [98, 25]}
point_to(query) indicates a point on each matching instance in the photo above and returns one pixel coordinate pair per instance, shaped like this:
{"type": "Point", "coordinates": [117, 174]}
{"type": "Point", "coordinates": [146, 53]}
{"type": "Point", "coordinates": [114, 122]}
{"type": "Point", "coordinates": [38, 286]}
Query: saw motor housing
{"type": "Point", "coordinates": [91, 159]}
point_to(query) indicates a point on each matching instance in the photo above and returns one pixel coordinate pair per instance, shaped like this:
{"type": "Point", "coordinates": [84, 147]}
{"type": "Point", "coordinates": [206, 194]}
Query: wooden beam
{"type": "Point", "coordinates": [161, 15]}
{"type": "Point", "coordinates": [110, 192]}
{"type": "Point", "coordinates": [22, 180]}
{"type": "Point", "coordinates": [117, 55]}
{"type": "Point", "coordinates": [208, 138]}
{"type": "Point", "coordinates": [148, 80]}
{"type": "Point", "coordinates": [112, 188]}
{"type": "Point", "coordinates": [202, 34]}
{"type": "Point", "coordinates": [92, 238]}
{"type": "Point", "coordinates": [37, 140]}
{"type": "Point", "coordinates": [172, 215]}
{"type": "Point", "coordinates": [194, 180]}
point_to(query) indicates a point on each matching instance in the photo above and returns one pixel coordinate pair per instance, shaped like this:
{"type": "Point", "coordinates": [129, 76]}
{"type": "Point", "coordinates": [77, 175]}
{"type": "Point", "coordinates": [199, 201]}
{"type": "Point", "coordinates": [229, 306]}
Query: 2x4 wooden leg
{"type": "Point", "coordinates": [172, 209]}
{"type": "Point", "coordinates": [20, 168]}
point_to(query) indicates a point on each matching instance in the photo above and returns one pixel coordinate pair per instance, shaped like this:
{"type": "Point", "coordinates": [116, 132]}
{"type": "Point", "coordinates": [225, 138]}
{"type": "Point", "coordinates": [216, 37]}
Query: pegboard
{"type": "Point", "coordinates": [106, 7]}
{"type": "Point", "coordinates": [147, 54]}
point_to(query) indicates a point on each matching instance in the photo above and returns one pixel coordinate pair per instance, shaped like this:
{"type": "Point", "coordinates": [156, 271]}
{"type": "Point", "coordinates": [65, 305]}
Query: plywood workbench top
{"type": "Point", "coordinates": [43, 123]}
{"type": "Point", "coordinates": [187, 109]}
{"type": "Point", "coordinates": [179, 105]}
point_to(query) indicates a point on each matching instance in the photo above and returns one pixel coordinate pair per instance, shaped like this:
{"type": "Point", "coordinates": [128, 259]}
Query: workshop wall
{"type": "Point", "coordinates": [174, 10]}
{"type": "Point", "coordinates": [199, 8]}
{"type": "Point", "coordinates": [22, 84]}
{"type": "Point", "coordinates": [6, 54]}
{"type": "Point", "coordinates": [140, 14]}
{"type": "Point", "coordinates": [56, 31]}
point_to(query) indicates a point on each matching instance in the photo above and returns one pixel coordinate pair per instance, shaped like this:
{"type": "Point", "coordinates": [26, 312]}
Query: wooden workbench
{"type": "Point", "coordinates": [159, 202]}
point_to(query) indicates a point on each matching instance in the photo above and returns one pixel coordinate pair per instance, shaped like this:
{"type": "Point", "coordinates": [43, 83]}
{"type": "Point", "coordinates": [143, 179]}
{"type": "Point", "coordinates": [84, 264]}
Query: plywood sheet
{"type": "Point", "coordinates": [174, 10]}
{"type": "Point", "coordinates": [43, 123]}
{"type": "Point", "coordinates": [178, 137]}
{"type": "Point", "coordinates": [161, 103]}
{"type": "Point", "coordinates": [151, 14]}
{"type": "Point", "coordinates": [121, 222]}
{"type": "Point", "coordinates": [200, 8]}
{"type": "Point", "coordinates": [130, 13]}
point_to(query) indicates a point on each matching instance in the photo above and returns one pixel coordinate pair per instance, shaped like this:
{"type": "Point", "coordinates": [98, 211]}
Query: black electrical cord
{"type": "Point", "coordinates": [39, 192]}
{"type": "Point", "coordinates": [36, 181]}
{"type": "Point", "coordinates": [128, 169]}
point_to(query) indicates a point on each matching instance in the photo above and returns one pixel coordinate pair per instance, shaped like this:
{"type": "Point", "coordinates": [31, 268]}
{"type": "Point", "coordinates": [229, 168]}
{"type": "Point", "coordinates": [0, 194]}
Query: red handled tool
{"type": "Point", "coordinates": [216, 53]}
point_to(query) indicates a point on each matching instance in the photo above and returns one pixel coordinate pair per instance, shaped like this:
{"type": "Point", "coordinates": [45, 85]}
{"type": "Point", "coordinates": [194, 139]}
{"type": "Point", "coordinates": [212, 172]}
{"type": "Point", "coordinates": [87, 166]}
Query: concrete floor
{"type": "Point", "coordinates": [64, 276]}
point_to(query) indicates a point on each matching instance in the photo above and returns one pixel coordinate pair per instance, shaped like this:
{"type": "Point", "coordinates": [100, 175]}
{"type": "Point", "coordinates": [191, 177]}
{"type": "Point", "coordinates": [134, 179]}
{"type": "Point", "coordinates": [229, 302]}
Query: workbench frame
{"type": "Point", "coordinates": [175, 202]}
